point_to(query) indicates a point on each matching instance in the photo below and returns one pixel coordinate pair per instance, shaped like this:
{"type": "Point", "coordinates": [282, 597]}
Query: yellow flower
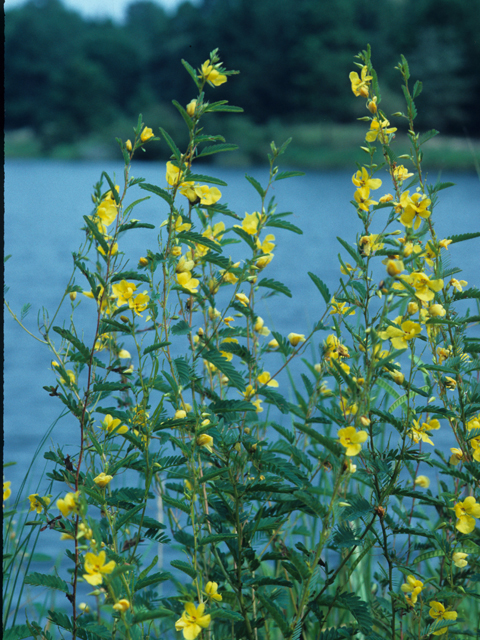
{"type": "Point", "coordinates": [400, 173]}
{"type": "Point", "coordinates": [200, 193]}
{"type": "Point", "coordinates": [241, 297]}
{"type": "Point", "coordinates": [122, 605]}
{"type": "Point", "coordinates": [352, 440]}
{"type": "Point", "coordinates": [211, 589]}
{"type": "Point", "coordinates": [416, 209]}
{"type": "Point", "coordinates": [450, 383]}
{"type": "Point", "coordinates": [413, 587]}
{"type": "Point", "coordinates": [362, 179]}
{"type": "Point", "coordinates": [372, 105]}
{"type": "Point", "coordinates": [419, 431]}
{"type": "Point", "coordinates": [192, 621]}
{"type": "Point", "coordinates": [128, 145]}
{"type": "Point", "coordinates": [260, 328]}
{"type": "Point", "coordinates": [124, 354]}
{"type": "Point", "coordinates": [35, 505]}
{"type": "Point", "coordinates": [394, 267]}
{"type": "Point", "coordinates": [204, 440]}
{"type": "Point", "coordinates": [334, 348]}
{"type": "Point", "coordinates": [186, 281]}
{"type": "Point", "coordinates": [212, 75]}
{"type": "Point", "coordinates": [422, 481]}
{"type": "Point", "coordinates": [458, 284]}
{"type": "Point", "coordinates": [456, 457]}
{"type": "Point", "coordinates": [296, 338]}
{"type": "Point", "coordinates": [360, 83]}
{"type": "Point", "coordinates": [340, 308]}
{"type": "Point", "coordinates": [368, 244]}
{"type": "Point", "coordinates": [250, 223]}
{"type": "Point", "coordinates": [273, 344]}
{"type": "Point", "coordinates": [146, 134]}
{"type": "Point", "coordinates": [379, 130]}
{"type": "Point", "coordinates": [459, 559]}
{"type": "Point", "coordinates": [227, 354]}
{"type": "Point", "coordinates": [174, 174]}
{"type": "Point", "coordinates": [386, 198]}
{"type": "Point", "coordinates": [438, 612]}
{"type": "Point", "coordinates": [139, 303]}
{"type": "Point", "coordinates": [424, 287]}
{"type": "Point", "coordinates": [473, 423]}
{"type": "Point", "coordinates": [264, 378]}
{"type": "Point", "coordinates": [397, 376]}
{"type": "Point", "coordinates": [68, 504]}
{"type": "Point", "coordinates": [475, 444]}
{"type": "Point", "coordinates": [103, 479]}
{"type": "Point", "coordinates": [362, 198]}
{"type": "Point", "coordinates": [400, 334]}
{"type": "Point", "coordinates": [111, 425]}
{"type": "Point", "coordinates": [96, 568]}
{"type": "Point", "coordinates": [436, 310]}
{"type": "Point", "coordinates": [123, 291]}
{"type": "Point", "coordinates": [466, 513]}
{"type": "Point", "coordinates": [107, 211]}
{"type": "Point", "coordinates": [7, 492]}
{"type": "Point", "coordinates": [348, 269]}
{"type": "Point", "coordinates": [191, 106]}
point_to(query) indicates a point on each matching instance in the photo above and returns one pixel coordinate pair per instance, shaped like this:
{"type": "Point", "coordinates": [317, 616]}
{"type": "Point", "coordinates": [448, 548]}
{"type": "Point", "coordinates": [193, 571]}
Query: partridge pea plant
{"type": "Point", "coordinates": [318, 513]}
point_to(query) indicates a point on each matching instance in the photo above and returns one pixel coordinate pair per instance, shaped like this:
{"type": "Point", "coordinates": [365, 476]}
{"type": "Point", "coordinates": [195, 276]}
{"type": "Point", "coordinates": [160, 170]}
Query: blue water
{"type": "Point", "coordinates": [44, 205]}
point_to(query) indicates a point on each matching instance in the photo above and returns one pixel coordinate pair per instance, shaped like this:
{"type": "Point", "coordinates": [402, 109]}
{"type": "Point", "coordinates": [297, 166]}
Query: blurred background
{"type": "Point", "coordinates": [78, 74]}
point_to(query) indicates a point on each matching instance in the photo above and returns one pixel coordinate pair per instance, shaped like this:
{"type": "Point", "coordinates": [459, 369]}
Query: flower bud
{"type": "Point", "coordinates": [176, 251]}
{"type": "Point", "coordinates": [412, 308]}
{"type": "Point", "coordinates": [394, 267]}
{"type": "Point", "coordinates": [73, 295]}
{"type": "Point", "coordinates": [191, 106]}
{"type": "Point", "coordinates": [128, 144]}
{"type": "Point", "coordinates": [372, 105]}
{"type": "Point", "coordinates": [124, 319]}
{"type": "Point", "coordinates": [296, 338]}
{"type": "Point", "coordinates": [142, 262]}
{"type": "Point", "coordinates": [365, 421]}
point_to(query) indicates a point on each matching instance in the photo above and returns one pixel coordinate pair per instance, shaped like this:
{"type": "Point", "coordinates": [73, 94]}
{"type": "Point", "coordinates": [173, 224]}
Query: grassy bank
{"type": "Point", "coordinates": [314, 146]}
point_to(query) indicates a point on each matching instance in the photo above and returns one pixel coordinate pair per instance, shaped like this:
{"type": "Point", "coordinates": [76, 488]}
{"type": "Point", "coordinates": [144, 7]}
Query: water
{"type": "Point", "coordinates": [44, 205]}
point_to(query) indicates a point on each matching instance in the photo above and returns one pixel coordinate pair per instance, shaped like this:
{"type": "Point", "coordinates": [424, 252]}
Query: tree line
{"type": "Point", "coordinates": [67, 76]}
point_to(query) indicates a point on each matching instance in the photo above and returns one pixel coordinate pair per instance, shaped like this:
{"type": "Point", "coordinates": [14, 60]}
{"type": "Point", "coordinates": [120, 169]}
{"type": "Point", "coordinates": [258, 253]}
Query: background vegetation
{"type": "Point", "coordinates": [72, 83]}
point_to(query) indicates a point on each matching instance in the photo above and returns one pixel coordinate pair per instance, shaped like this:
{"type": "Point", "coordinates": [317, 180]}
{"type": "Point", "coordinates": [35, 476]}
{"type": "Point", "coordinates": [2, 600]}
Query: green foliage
{"type": "Point", "coordinates": [324, 529]}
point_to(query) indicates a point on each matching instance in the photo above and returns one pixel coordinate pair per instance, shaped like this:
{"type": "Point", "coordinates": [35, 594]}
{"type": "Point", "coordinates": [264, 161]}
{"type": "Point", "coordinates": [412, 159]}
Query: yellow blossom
{"type": "Point", "coordinates": [438, 612]}
{"type": "Point", "coordinates": [296, 338]}
{"type": "Point", "coordinates": [227, 354]}
{"type": "Point", "coordinates": [475, 444]}
{"type": "Point", "coordinates": [425, 288]}
{"type": "Point", "coordinates": [397, 376]}
{"type": "Point", "coordinates": [372, 105]}
{"type": "Point", "coordinates": [348, 269]}
{"type": "Point", "coordinates": [123, 354]}
{"type": "Point", "coordinates": [450, 383]}
{"type": "Point", "coordinates": [96, 568]}
{"type": "Point", "coordinates": [400, 173]}
{"type": "Point", "coordinates": [443, 354]}
{"type": "Point", "coordinates": [192, 621]}
{"type": "Point", "coordinates": [264, 378]}
{"type": "Point", "coordinates": [401, 333]}
{"type": "Point", "coordinates": [352, 440]}
{"type": "Point", "coordinates": [123, 292]}
{"type": "Point", "coordinates": [200, 193]}
{"type": "Point", "coordinates": [362, 198]}
{"type": "Point", "coordinates": [360, 83]}
{"type": "Point", "coordinates": [212, 75]}
{"type": "Point", "coordinates": [379, 130]}
{"type": "Point", "coordinates": [204, 440]}
{"type": "Point", "coordinates": [363, 179]}
{"type": "Point", "coordinates": [420, 431]}
{"type": "Point", "coordinates": [273, 344]}
{"type": "Point", "coordinates": [180, 414]}
{"type": "Point", "coordinates": [107, 211]}
{"type": "Point", "coordinates": [436, 310]}
{"type": "Point", "coordinates": [68, 505]}
{"type": "Point", "coordinates": [250, 223]}
{"type": "Point", "coordinates": [444, 243]}
{"type": "Point", "coordinates": [111, 425]}
{"type": "Point", "coordinates": [102, 480]}
{"type": "Point", "coordinates": [413, 587]}
{"type": "Point", "coordinates": [35, 505]}
{"type": "Point", "coordinates": [416, 209]}
{"type": "Point", "coordinates": [7, 492]}
{"type": "Point", "coordinates": [122, 605]}
{"type": "Point", "coordinates": [260, 328]}
{"type": "Point", "coordinates": [412, 308]}
{"type": "Point", "coordinates": [456, 457]}
{"type": "Point", "coordinates": [386, 198]}
{"type": "Point", "coordinates": [174, 174]}
{"type": "Point", "coordinates": [368, 244]}
{"type": "Point", "coordinates": [128, 145]}
{"type": "Point", "coordinates": [242, 298]}
{"type": "Point", "coordinates": [191, 106]}
{"type": "Point", "coordinates": [186, 281]}
{"type": "Point", "coordinates": [422, 481]}
{"type": "Point", "coordinates": [395, 267]}
{"type": "Point", "coordinates": [458, 284]}
{"type": "Point", "coordinates": [211, 589]}
{"type": "Point", "coordinates": [466, 513]}
{"type": "Point", "coordinates": [139, 303]}
{"type": "Point", "coordinates": [459, 559]}
{"type": "Point", "coordinates": [146, 134]}
{"type": "Point", "coordinates": [341, 308]}
{"type": "Point", "coordinates": [334, 348]}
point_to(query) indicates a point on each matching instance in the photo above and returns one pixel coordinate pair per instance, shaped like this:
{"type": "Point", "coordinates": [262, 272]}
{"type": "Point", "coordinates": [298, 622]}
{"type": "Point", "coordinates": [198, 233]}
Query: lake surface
{"type": "Point", "coordinates": [44, 205]}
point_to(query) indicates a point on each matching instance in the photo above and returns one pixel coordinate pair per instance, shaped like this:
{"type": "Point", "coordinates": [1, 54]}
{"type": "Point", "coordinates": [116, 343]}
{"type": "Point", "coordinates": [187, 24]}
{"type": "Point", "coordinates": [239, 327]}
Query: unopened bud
{"type": "Point", "coordinates": [124, 319]}
{"type": "Point", "coordinates": [412, 308]}
{"type": "Point", "coordinates": [128, 144]}
{"type": "Point", "coordinates": [365, 421]}
{"type": "Point", "coordinates": [191, 106]}
{"type": "Point", "coordinates": [143, 262]}
{"type": "Point", "coordinates": [176, 251]}
{"type": "Point", "coordinates": [73, 295]}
